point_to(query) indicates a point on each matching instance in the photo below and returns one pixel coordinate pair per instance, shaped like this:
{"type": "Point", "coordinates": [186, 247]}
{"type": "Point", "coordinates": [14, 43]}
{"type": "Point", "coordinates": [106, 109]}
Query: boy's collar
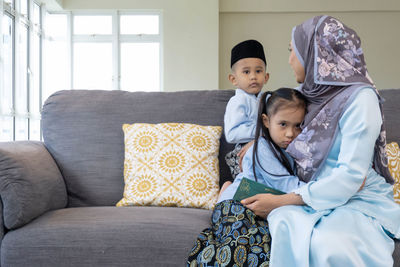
{"type": "Point", "coordinates": [244, 92]}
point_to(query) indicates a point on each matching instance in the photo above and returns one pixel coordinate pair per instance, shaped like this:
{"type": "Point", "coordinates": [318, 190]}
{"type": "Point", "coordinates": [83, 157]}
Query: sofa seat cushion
{"type": "Point", "coordinates": [106, 236]}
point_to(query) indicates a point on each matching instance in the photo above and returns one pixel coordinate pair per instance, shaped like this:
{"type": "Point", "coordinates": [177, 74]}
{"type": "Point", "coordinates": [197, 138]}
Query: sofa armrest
{"type": "Point", "coordinates": [2, 229]}
{"type": "Point", "coordinates": [30, 182]}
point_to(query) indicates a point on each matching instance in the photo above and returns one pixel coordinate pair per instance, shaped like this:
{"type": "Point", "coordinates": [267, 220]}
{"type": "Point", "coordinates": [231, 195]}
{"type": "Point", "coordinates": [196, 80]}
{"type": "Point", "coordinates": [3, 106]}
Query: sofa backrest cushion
{"type": "Point", "coordinates": [82, 129]}
{"type": "Point", "coordinates": [391, 110]}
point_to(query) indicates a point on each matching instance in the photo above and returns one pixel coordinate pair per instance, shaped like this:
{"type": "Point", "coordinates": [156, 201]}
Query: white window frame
{"type": "Point", "coordinates": [116, 39]}
{"type": "Point", "coordinates": [17, 19]}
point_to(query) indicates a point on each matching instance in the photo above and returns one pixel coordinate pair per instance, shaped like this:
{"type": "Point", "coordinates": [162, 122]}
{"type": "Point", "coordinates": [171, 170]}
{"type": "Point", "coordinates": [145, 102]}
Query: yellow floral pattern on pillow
{"type": "Point", "coordinates": [393, 153]}
{"type": "Point", "coordinates": [171, 164]}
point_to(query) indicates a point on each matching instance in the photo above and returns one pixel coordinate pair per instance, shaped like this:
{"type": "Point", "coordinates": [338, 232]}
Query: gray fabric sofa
{"type": "Point", "coordinates": [58, 196]}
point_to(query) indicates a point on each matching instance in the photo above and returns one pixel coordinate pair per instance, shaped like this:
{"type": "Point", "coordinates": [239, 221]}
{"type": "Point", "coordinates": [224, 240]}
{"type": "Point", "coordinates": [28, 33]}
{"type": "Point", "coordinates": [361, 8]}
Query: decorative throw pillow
{"type": "Point", "coordinates": [171, 164]}
{"type": "Point", "coordinates": [393, 153]}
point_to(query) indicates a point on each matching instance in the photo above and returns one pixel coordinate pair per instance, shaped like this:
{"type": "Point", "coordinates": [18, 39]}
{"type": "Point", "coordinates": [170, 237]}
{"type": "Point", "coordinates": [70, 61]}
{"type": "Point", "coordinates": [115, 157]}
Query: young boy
{"type": "Point", "coordinates": [249, 75]}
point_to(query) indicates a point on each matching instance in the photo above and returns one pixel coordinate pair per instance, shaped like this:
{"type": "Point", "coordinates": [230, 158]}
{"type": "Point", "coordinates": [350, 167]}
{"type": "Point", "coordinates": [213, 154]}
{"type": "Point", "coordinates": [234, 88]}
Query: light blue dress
{"type": "Point", "coordinates": [240, 118]}
{"type": "Point", "coordinates": [341, 226]}
{"type": "Point", "coordinates": [272, 173]}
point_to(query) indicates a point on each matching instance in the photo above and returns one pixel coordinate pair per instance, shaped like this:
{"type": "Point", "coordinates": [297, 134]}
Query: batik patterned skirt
{"type": "Point", "coordinates": [237, 237]}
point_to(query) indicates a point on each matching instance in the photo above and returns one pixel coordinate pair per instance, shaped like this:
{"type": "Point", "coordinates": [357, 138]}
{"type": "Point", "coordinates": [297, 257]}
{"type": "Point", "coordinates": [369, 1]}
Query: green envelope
{"type": "Point", "coordinates": [248, 188]}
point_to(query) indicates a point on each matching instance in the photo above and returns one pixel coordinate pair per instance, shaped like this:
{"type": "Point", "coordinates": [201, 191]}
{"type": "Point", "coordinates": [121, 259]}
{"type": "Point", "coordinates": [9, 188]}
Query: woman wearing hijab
{"type": "Point", "coordinates": [345, 215]}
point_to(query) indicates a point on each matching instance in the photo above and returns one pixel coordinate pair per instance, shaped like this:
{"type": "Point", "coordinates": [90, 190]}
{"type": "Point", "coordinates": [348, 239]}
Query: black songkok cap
{"type": "Point", "coordinates": [246, 49]}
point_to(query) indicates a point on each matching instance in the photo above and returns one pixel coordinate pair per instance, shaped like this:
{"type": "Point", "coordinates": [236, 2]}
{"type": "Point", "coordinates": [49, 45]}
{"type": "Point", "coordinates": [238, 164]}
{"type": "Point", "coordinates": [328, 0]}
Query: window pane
{"type": "Point", "coordinates": [24, 7]}
{"type": "Point", "coordinates": [36, 14]}
{"type": "Point", "coordinates": [11, 2]}
{"type": "Point", "coordinates": [34, 129]}
{"type": "Point", "coordinates": [21, 128]}
{"type": "Point", "coordinates": [56, 71]}
{"type": "Point", "coordinates": [56, 26]}
{"type": "Point", "coordinates": [6, 128]}
{"type": "Point", "coordinates": [34, 87]}
{"type": "Point", "coordinates": [21, 93]}
{"type": "Point", "coordinates": [92, 66]}
{"type": "Point", "coordinates": [140, 67]}
{"type": "Point", "coordinates": [55, 76]}
{"type": "Point", "coordinates": [139, 24]}
{"type": "Point", "coordinates": [6, 99]}
{"type": "Point", "coordinates": [92, 24]}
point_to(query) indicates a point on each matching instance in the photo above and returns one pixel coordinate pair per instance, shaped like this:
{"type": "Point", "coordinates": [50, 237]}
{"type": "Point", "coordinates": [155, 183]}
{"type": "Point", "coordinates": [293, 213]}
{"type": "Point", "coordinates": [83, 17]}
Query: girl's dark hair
{"type": "Point", "coordinates": [283, 97]}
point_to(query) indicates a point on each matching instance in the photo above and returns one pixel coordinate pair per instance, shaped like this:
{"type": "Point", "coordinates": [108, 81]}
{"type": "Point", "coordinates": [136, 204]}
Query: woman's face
{"type": "Point", "coordinates": [296, 65]}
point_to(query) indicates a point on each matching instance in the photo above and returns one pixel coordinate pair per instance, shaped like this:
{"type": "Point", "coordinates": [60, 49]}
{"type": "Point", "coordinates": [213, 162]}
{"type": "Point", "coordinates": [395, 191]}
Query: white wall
{"type": "Point", "coordinates": [190, 55]}
{"type": "Point", "coordinates": [271, 22]}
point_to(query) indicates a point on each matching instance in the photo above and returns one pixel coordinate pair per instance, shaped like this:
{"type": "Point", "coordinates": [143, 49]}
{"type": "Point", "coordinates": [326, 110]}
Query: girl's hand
{"type": "Point", "coordinates": [263, 204]}
{"type": "Point", "coordinates": [242, 152]}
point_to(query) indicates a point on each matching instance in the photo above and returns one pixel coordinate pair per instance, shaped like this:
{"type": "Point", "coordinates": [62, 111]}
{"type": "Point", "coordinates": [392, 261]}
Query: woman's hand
{"type": "Point", "coordinates": [242, 152]}
{"type": "Point", "coordinates": [263, 204]}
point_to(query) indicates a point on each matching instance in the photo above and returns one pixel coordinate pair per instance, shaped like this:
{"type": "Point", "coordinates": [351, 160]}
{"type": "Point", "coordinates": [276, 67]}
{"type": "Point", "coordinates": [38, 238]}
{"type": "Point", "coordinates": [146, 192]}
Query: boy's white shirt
{"type": "Point", "coordinates": [240, 118]}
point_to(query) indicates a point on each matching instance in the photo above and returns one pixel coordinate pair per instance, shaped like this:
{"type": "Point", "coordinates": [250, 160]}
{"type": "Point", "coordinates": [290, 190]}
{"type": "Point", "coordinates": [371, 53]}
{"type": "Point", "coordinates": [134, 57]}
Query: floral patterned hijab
{"type": "Point", "coordinates": [331, 55]}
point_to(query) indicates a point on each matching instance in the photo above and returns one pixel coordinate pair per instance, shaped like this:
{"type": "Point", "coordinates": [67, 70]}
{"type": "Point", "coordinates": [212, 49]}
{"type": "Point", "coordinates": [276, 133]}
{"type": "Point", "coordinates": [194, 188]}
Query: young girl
{"type": "Point", "coordinates": [279, 117]}
{"type": "Point", "coordinates": [237, 235]}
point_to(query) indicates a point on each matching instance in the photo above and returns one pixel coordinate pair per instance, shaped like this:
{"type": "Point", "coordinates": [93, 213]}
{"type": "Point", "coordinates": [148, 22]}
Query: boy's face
{"type": "Point", "coordinates": [249, 74]}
